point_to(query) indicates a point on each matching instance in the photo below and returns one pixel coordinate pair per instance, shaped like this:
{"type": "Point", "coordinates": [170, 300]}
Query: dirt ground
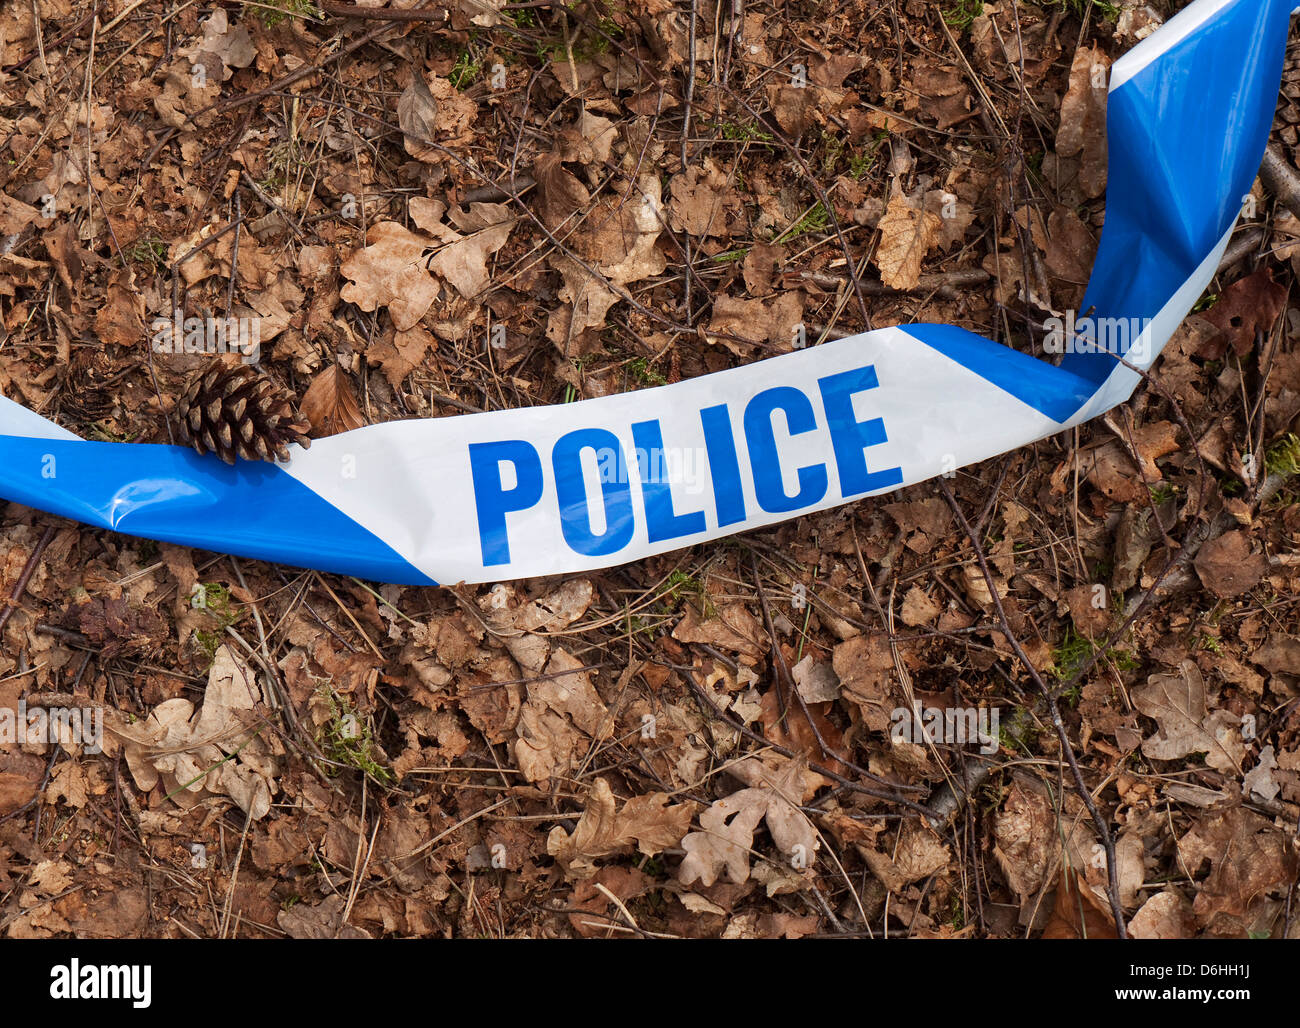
{"type": "Point", "coordinates": [705, 743]}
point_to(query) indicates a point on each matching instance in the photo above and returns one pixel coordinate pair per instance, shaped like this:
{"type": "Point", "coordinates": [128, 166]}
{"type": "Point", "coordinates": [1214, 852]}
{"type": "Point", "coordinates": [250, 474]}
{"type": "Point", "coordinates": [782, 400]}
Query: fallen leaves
{"type": "Point", "coordinates": [561, 717]}
{"type": "Point", "coordinates": [1227, 566]}
{"type": "Point", "coordinates": [1082, 131]}
{"type": "Point", "coordinates": [1079, 913]}
{"type": "Point", "coordinates": [223, 749]}
{"type": "Point", "coordinates": [907, 232]}
{"type": "Point", "coordinates": [650, 822]}
{"type": "Point", "coordinates": [1249, 306]}
{"type": "Point", "coordinates": [743, 325]}
{"type": "Point", "coordinates": [700, 199]}
{"type": "Point", "coordinates": [1249, 859]}
{"type": "Point", "coordinates": [433, 117]}
{"type": "Point", "coordinates": [330, 404]}
{"type": "Point", "coordinates": [389, 271]}
{"type": "Point", "coordinates": [726, 836]}
{"type": "Point", "coordinates": [404, 271]}
{"type": "Point", "coordinates": [1179, 703]}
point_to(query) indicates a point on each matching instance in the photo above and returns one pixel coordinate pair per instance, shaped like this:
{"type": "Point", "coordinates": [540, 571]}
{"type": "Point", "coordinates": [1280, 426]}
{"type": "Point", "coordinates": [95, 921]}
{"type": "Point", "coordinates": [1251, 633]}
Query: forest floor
{"type": "Point", "coordinates": [704, 743]}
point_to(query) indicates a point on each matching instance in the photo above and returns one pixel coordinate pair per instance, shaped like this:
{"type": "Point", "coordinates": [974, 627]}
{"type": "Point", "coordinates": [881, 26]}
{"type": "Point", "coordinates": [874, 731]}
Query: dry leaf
{"type": "Point", "coordinates": [417, 114]}
{"type": "Point", "coordinates": [1025, 839]}
{"type": "Point", "coordinates": [776, 322]}
{"type": "Point", "coordinates": [463, 262]}
{"type": "Point", "coordinates": [561, 717]}
{"type": "Point", "coordinates": [1166, 915]}
{"type": "Point", "coordinates": [1227, 567]}
{"type": "Point", "coordinates": [390, 271]}
{"type": "Point", "coordinates": [1249, 858]}
{"type": "Point", "coordinates": [330, 404]}
{"type": "Point", "coordinates": [223, 751]}
{"type": "Point", "coordinates": [699, 196]}
{"type": "Point", "coordinates": [651, 822]}
{"type": "Point", "coordinates": [1178, 702]}
{"type": "Point", "coordinates": [1079, 912]}
{"type": "Point", "coordinates": [726, 833]}
{"type": "Point", "coordinates": [1247, 307]}
{"type": "Point", "coordinates": [907, 232]}
{"type": "Point", "coordinates": [231, 45]}
{"type": "Point", "coordinates": [1082, 131]}
{"type": "Point", "coordinates": [816, 680]}
{"type": "Point", "coordinates": [918, 854]}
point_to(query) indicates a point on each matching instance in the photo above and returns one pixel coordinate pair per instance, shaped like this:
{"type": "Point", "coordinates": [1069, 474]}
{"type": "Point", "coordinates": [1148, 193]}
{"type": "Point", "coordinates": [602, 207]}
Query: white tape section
{"type": "Point", "coordinates": [514, 494]}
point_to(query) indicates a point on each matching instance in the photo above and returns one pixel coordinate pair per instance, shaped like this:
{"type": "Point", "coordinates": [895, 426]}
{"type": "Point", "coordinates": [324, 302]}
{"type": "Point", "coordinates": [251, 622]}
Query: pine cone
{"type": "Point", "coordinates": [234, 411]}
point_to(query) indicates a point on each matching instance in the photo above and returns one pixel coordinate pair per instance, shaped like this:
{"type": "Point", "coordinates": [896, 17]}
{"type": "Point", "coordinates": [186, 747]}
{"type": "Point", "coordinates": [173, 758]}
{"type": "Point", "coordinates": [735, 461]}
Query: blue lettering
{"type": "Point", "coordinates": [724, 465]}
{"type": "Point", "coordinates": [850, 437]}
{"type": "Point", "coordinates": [661, 522]}
{"type": "Point", "coordinates": [492, 501]}
{"type": "Point", "coordinates": [571, 491]}
{"type": "Point", "coordinates": [763, 456]}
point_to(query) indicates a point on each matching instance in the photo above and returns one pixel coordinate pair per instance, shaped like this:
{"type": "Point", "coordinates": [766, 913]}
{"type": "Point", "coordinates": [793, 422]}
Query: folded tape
{"type": "Point", "coordinates": [546, 490]}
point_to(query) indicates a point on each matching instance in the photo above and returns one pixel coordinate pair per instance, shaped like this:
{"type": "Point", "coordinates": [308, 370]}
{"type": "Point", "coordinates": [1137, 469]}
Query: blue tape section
{"type": "Point", "coordinates": [1187, 135]}
{"type": "Point", "coordinates": [1050, 390]}
{"type": "Point", "coordinates": [173, 495]}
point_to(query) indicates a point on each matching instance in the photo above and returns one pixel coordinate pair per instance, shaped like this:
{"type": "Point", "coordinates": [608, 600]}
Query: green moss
{"type": "Point", "coordinates": [347, 739]}
{"type": "Point", "coordinates": [961, 14]}
{"type": "Point", "coordinates": [273, 12]}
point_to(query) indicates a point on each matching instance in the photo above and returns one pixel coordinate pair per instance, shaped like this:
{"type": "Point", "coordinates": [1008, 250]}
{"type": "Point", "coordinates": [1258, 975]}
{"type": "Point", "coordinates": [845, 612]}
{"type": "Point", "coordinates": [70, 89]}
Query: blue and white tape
{"type": "Point", "coordinates": [546, 490]}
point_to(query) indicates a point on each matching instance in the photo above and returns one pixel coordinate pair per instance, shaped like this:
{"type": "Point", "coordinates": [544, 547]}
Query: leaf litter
{"type": "Point", "coordinates": [509, 211]}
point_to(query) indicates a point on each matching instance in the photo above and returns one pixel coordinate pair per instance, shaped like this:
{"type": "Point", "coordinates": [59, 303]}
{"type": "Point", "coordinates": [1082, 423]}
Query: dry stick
{"type": "Point", "coordinates": [234, 258]}
{"type": "Point", "coordinates": [1112, 870]}
{"type": "Point", "coordinates": [1281, 179]}
{"type": "Point", "coordinates": [28, 570]}
{"type": "Point", "coordinates": [688, 98]}
{"type": "Point", "coordinates": [943, 283]}
{"type": "Point", "coordinates": [384, 13]}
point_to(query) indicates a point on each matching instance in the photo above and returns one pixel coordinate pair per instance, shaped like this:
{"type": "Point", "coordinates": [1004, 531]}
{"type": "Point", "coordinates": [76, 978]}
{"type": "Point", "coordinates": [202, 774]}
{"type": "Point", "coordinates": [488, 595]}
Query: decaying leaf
{"type": "Point", "coordinates": [1247, 307]}
{"type": "Point", "coordinates": [651, 822]}
{"type": "Point", "coordinates": [1080, 913]}
{"type": "Point", "coordinates": [1082, 131]}
{"type": "Point", "coordinates": [330, 404]}
{"type": "Point", "coordinates": [918, 854]}
{"type": "Point", "coordinates": [726, 834]}
{"type": "Point", "coordinates": [561, 717]}
{"type": "Point", "coordinates": [1248, 857]}
{"type": "Point", "coordinates": [223, 749]}
{"type": "Point", "coordinates": [1227, 567]}
{"type": "Point", "coordinates": [390, 271]}
{"type": "Point", "coordinates": [1179, 703]}
{"type": "Point", "coordinates": [907, 232]}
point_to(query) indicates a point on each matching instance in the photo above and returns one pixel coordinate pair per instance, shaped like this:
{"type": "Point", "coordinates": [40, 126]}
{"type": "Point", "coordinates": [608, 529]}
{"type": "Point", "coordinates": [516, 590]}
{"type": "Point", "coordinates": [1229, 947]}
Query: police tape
{"type": "Point", "coordinates": [559, 489]}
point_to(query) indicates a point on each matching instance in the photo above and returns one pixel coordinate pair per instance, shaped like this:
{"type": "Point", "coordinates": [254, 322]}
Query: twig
{"type": "Point", "coordinates": [1281, 179]}
{"type": "Point", "coordinates": [384, 13]}
{"type": "Point", "coordinates": [28, 570]}
{"type": "Point", "coordinates": [944, 284]}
